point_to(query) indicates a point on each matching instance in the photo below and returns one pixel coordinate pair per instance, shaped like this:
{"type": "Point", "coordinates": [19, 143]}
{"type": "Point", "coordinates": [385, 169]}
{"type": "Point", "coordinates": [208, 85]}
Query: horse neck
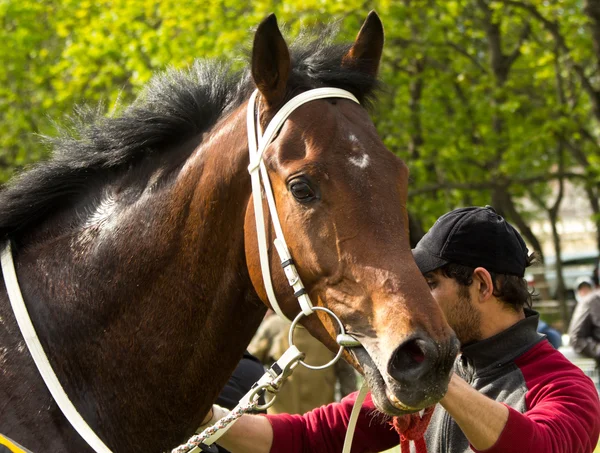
{"type": "Point", "coordinates": [171, 285]}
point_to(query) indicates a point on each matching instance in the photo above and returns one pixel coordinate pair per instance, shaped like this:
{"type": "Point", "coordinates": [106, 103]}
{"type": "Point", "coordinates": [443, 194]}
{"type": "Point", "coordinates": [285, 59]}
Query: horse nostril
{"type": "Point", "coordinates": [411, 360]}
{"type": "Point", "coordinates": [413, 351]}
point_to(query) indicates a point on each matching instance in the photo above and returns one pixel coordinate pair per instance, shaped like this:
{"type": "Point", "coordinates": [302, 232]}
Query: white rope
{"type": "Point", "coordinates": [39, 356]}
{"type": "Point", "coordinates": [272, 381]}
{"type": "Point", "coordinates": [360, 398]}
{"type": "Point", "coordinates": [220, 427]}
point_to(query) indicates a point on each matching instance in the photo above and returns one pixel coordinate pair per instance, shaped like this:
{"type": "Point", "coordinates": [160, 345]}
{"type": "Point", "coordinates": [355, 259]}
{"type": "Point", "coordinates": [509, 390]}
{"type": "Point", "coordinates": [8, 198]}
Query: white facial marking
{"type": "Point", "coordinates": [362, 160]}
{"type": "Point", "coordinates": [102, 219]}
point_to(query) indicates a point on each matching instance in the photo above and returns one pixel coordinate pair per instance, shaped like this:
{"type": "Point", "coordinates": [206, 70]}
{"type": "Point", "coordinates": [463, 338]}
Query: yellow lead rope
{"type": "Point", "coordinates": [13, 447]}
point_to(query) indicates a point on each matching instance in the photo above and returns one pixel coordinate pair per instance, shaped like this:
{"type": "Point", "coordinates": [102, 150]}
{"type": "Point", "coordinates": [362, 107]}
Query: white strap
{"type": "Point", "coordinates": [360, 398]}
{"type": "Point", "coordinates": [258, 211]}
{"type": "Point", "coordinates": [282, 115]}
{"type": "Point", "coordinates": [39, 356]}
{"type": "Point", "coordinates": [257, 145]}
{"type": "Point", "coordinates": [275, 376]}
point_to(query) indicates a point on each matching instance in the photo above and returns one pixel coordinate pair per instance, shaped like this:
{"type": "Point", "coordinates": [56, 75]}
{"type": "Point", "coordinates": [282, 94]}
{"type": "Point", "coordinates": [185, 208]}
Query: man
{"type": "Point", "coordinates": [584, 328]}
{"type": "Point", "coordinates": [511, 391]}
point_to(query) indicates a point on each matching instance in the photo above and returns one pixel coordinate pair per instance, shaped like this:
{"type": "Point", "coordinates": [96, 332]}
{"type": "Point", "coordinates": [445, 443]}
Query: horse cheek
{"type": "Point", "coordinates": [252, 254]}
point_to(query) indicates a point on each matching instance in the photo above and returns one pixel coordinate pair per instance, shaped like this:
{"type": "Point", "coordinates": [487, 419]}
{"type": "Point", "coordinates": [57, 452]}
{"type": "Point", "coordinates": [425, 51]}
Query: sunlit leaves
{"type": "Point", "coordinates": [462, 126]}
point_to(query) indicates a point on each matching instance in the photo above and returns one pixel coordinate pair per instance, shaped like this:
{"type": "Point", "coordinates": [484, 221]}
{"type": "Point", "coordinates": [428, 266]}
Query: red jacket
{"type": "Point", "coordinates": [553, 406]}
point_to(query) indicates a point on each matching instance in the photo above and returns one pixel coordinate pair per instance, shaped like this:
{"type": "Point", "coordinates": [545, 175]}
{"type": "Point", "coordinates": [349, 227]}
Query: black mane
{"type": "Point", "coordinates": [174, 108]}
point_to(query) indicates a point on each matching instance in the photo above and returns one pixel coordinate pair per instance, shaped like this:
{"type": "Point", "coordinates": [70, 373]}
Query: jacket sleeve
{"type": "Point", "coordinates": [323, 430]}
{"type": "Point", "coordinates": [582, 326]}
{"type": "Point", "coordinates": [566, 419]}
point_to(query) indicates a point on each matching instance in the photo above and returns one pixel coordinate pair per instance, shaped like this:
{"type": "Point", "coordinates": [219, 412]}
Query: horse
{"type": "Point", "coordinates": [136, 251]}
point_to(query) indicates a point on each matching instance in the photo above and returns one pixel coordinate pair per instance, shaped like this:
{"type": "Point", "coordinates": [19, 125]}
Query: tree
{"type": "Point", "coordinates": [486, 100]}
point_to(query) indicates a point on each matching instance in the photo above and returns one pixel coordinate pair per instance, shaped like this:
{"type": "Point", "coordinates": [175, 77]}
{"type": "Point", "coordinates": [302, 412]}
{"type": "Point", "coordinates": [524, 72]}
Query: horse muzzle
{"type": "Point", "coordinates": [414, 377]}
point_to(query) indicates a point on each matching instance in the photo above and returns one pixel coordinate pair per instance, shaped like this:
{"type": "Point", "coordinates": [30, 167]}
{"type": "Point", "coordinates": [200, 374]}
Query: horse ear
{"type": "Point", "coordinates": [270, 61]}
{"type": "Point", "coordinates": [365, 53]}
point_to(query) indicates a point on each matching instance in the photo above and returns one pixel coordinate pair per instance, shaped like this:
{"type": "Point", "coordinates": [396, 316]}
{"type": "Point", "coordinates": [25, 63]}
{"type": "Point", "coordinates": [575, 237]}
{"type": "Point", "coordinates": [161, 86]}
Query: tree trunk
{"type": "Point", "coordinates": [560, 281]}
{"type": "Point", "coordinates": [504, 205]}
{"type": "Point", "coordinates": [416, 231]}
{"type": "Point", "coordinates": [592, 9]}
{"type": "Point", "coordinates": [593, 196]}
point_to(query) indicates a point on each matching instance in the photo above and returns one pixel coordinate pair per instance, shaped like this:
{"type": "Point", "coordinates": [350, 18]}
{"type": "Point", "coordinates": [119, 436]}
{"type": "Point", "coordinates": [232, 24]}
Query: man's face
{"type": "Point", "coordinates": [582, 291]}
{"type": "Point", "coordinates": [456, 302]}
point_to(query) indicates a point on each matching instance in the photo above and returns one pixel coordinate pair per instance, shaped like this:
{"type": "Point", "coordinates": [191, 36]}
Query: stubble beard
{"type": "Point", "coordinates": [465, 319]}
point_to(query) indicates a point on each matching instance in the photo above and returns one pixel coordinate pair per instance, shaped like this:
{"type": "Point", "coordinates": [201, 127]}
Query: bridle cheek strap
{"type": "Point", "coordinates": [257, 143]}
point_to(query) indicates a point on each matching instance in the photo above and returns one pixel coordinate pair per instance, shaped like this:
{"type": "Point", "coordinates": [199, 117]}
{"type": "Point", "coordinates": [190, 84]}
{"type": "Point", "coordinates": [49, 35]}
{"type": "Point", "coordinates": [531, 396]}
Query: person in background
{"type": "Point", "coordinates": [584, 328]}
{"type": "Point", "coordinates": [305, 389]}
{"type": "Point", "coordinates": [248, 371]}
{"type": "Point", "coordinates": [583, 287]}
{"type": "Point", "coordinates": [551, 333]}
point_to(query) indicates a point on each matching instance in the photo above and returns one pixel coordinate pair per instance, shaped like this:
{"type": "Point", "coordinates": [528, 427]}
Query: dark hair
{"type": "Point", "coordinates": [510, 289]}
{"type": "Point", "coordinates": [585, 284]}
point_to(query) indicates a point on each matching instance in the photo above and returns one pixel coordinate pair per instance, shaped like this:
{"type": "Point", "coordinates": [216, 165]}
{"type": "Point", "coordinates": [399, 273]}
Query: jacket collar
{"type": "Point", "coordinates": [504, 346]}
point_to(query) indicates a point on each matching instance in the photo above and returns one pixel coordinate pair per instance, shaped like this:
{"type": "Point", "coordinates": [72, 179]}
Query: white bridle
{"type": "Point", "coordinates": [39, 356]}
{"type": "Point", "coordinates": [257, 143]}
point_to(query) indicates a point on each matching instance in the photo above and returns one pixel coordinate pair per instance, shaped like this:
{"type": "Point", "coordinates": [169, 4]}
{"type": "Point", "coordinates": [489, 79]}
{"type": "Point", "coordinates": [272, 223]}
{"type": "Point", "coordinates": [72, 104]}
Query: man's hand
{"type": "Point", "coordinates": [250, 434]}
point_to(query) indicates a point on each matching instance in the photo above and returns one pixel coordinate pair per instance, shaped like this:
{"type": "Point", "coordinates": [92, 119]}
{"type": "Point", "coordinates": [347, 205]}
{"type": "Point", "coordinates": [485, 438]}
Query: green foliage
{"type": "Point", "coordinates": [469, 128]}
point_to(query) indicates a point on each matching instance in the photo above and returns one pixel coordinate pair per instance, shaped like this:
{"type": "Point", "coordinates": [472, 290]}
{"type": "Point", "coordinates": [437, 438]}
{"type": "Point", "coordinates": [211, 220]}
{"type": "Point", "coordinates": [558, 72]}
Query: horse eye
{"type": "Point", "coordinates": [302, 191]}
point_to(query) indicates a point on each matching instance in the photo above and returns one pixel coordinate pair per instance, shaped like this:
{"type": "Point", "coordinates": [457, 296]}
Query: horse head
{"type": "Point", "coordinates": [135, 248]}
{"type": "Point", "coordinates": [341, 196]}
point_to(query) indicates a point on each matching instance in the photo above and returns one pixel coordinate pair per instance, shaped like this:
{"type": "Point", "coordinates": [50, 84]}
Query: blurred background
{"type": "Point", "coordinates": [488, 101]}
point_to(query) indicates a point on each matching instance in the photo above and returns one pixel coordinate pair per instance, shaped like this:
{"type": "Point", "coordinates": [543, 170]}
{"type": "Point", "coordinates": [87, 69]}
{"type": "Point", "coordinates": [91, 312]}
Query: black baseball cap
{"type": "Point", "coordinates": [473, 237]}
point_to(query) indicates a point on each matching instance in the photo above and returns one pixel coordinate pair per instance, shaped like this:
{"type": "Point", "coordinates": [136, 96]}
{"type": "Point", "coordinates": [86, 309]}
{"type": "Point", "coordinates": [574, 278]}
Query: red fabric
{"type": "Point", "coordinates": [413, 427]}
{"type": "Point", "coordinates": [323, 430]}
{"type": "Point", "coordinates": [563, 411]}
{"type": "Point", "coordinates": [562, 416]}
